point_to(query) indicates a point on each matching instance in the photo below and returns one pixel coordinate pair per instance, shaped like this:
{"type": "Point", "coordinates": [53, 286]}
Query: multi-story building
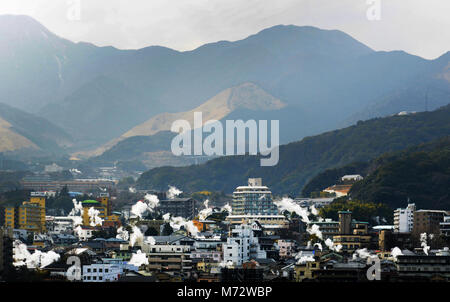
{"type": "Point", "coordinates": [428, 221]}
{"type": "Point", "coordinates": [328, 227]}
{"type": "Point", "coordinates": [103, 206]}
{"type": "Point", "coordinates": [29, 216]}
{"type": "Point", "coordinates": [178, 207]}
{"type": "Point", "coordinates": [286, 248]}
{"type": "Point", "coordinates": [345, 222]}
{"type": "Point", "coordinates": [204, 256]}
{"type": "Point", "coordinates": [101, 272]}
{"type": "Point", "coordinates": [253, 199]}
{"type": "Point", "coordinates": [445, 226]}
{"type": "Point", "coordinates": [242, 246]}
{"type": "Point", "coordinates": [6, 249]}
{"type": "Point", "coordinates": [422, 266]}
{"type": "Point", "coordinates": [59, 224]}
{"type": "Point", "coordinates": [41, 183]}
{"type": "Point", "coordinates": [168, 258]}
{"type": "Point", "coordinates": [353, 234]}
{"type": "Point", "coordinates": [404, 219]}
{"type": "Point", "coordinates": [267, 221]}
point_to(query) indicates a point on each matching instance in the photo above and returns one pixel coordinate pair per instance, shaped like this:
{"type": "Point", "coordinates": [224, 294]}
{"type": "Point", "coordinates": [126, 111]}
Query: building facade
{"type": "Point", "coordinates": [404, 219]}
{"type": "Point", "coordinates": [178, 207]}
{"type": "Point", "coordinates": [253, 199]}
{"type": "Point", "coordinates": [29, 216]}
{"type": "Point", "coordinates": [428, 221]}
{"type": "Point", "coordinates": [242, 246]}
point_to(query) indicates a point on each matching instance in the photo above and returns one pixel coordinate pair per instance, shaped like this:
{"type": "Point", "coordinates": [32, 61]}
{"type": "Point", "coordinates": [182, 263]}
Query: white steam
{"type": "Point", "coordinates": [173, 192]}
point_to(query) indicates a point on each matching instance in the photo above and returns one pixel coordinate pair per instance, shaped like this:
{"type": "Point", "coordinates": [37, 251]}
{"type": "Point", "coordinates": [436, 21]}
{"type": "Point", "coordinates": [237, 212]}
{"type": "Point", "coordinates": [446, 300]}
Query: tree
{"type": "Point", "coordinates": [167, 230]}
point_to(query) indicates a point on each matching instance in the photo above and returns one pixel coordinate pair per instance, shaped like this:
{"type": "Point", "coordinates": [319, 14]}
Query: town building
{"type": "Point", "coordinates": [242, 246]}
{"type": "Point", "coordinates": [351, 178]}
{"type": "Point", "coordinates": [404, 219]}
{"type": "Point", "coordinates": [328, 227]}
{"type": "Point", "coordinates": [253, 199]}
{"type": "Point", "coordinates": [423, 267]}
{"type": "Point", "coordinates": [43, 183]}
{"type": "Point", "coordinates": [6, 249]}
{"type": "Point", "coordinates": [338, 190]}
{"type": "Point", "coordinates": [101, 272]}
{"type": "Point", "coordinates": [286, 248]}
{"type": "Point", "coordinates": [445, 226]}
{"type": "Point", "coordinates": [428, 221]}
{"type": "Point", "coordinates": [168, 258]}
{"type": "Point", "coordinates": [178, 207]}
{"type": "Point", "coordinates": [29, 216]}
{"type": "Point", "coordinates": [353, 234]}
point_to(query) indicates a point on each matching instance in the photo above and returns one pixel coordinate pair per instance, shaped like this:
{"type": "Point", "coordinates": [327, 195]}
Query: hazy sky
{"type": "Point", "coordinates": [420, 27]}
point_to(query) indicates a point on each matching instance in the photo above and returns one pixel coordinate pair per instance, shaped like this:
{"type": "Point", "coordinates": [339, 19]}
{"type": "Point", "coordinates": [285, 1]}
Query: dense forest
{"type": "Point", "coordinates": [303, 160]}
{"type": "Point", "coordinates": [420, 174]}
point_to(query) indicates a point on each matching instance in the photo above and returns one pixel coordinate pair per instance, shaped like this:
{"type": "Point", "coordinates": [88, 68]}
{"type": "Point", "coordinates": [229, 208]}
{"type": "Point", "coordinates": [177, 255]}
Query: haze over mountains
{"type": "Point", "coordinates": [325, 79]}
{"type": "Point", "coordinates": [301, 161]}
{"type": "Point", "coordinates": [23, 132]}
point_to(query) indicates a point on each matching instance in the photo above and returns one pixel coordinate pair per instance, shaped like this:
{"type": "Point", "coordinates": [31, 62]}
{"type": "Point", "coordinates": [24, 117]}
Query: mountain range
{"type": "Point", "coordinates": [27, 133]}
{"type": "Point", "coordinates": [102, 96]}
{"type": "Point", "coordinates": [301, 161]}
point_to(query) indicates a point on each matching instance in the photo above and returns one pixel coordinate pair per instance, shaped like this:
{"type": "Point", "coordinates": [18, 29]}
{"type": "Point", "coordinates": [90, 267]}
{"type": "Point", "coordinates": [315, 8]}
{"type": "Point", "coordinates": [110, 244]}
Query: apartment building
{"type": "Point", "coordinates": [29, 216]}
{"type": "Point", "coordinates": [253, 199]}
{"type": "Point", "coordinates": [178, 207]}
{"type": "Point", "coordinates": [168, 258]}
{"type": "Point", "coordinates": [428, 221]}
{"type": "Point", "coordinates": [404, 219]}
{"type": "Point", "coordinates": [242, 246]}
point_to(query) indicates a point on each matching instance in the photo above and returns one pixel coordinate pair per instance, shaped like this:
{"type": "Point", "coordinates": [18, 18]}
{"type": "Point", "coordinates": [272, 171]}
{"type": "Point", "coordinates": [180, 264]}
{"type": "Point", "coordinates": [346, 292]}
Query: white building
{"type": "Point", "coordinates": [101, 272]}
{"type": "Point", "coordinates": [253, 199]}
{"type": "Point", "coordinates": [354, 177]}
{"type": "Point", "coordinates": [404, 219]}
{"type": "Point", "coordinates": [242, 246]}
{"type": "Point", "coordinates": [59, 224]}
{"type": "Point", "coordinates": [445, 226]}
{"type": "Point", "coordinates": [83, 233]}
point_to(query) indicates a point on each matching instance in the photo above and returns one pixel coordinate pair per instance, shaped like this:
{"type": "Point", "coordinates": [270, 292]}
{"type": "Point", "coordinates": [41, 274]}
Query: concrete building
{"type": "Point", "coordinates": [242, 246]}
{"type": "Point", "coordinates": [6, 249]}
{"type": "Point", "coordinates": [351, 178]}
{"type": "Point", "coordinates": [287, 248]}
{"type": "Point", "coordinates": [423, 267]}
{"type": "Point", "coordinates": [428, 221]}
{"type": "Point", "coordinates": [345, 221]}
{"type": "Point", "coordinates": [42, 183]}
{"type": "Point", "coordinates": [404, 219]}
{"type": "Point", "coordinates": [328, 227]}
{"type": "Point", "coordinates": [59, 224]}
{"type": "Point", "coordinates": [29, 216]}
{"type": "Point", "coordinates": [445, 226]}
{"type": "Point", "coordinates": [178, 207]}
{"type": "Point", "coordinates": [168, 258]}
{"type": "Point", "coordinates": [253, 199]}
{"type": "Point", "coordinates": [101, 272]}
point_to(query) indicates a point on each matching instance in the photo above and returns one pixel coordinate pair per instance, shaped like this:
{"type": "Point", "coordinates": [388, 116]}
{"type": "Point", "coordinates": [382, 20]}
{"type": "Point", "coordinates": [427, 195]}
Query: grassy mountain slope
{"type": "Point", "coordinates": [154, 134]}
{"type": "Point", "coordinates": [20, 130]}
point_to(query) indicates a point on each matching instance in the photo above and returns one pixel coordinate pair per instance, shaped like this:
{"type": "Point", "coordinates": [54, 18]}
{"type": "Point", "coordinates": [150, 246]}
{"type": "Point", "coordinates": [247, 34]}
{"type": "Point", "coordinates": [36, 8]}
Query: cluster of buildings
{"type": "Point", "coordinates": [254, 241]}
{"type": "Point", "coordinates": [412, 221]}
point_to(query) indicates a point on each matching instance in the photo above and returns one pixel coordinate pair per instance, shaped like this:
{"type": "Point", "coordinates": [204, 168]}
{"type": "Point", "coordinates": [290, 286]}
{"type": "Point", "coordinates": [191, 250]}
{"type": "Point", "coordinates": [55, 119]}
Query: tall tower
{"type": "Point", "coordinates": [345, 221]}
